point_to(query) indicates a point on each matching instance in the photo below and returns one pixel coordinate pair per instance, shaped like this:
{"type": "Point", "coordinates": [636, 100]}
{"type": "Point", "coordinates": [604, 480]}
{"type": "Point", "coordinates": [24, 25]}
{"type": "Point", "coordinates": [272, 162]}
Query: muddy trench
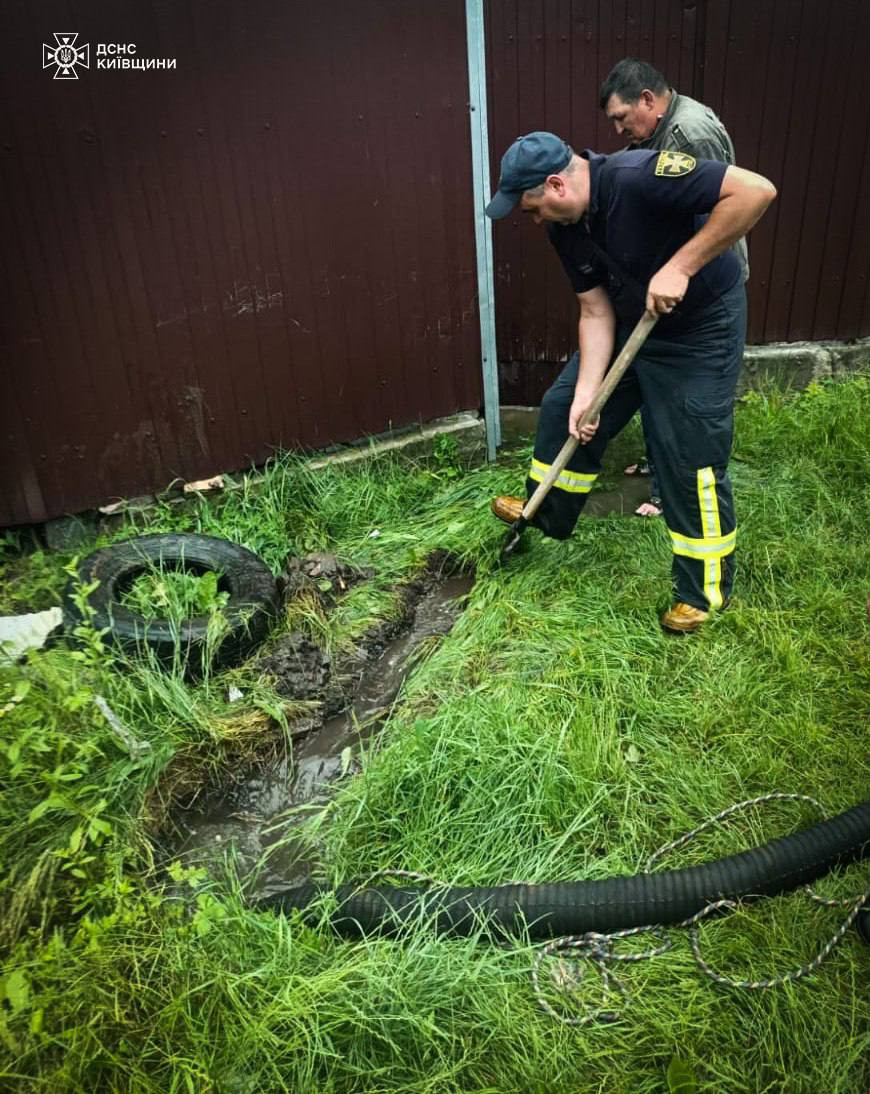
{"type": "Point", "coordinates": [251, 818]}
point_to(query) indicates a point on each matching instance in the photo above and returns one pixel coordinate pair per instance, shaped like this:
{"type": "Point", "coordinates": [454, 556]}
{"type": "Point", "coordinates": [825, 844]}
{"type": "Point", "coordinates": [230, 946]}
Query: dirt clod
{"type": "Point", "coordinates": [301, 669]}
{"type": "Point", "coordinates": [322, 573]}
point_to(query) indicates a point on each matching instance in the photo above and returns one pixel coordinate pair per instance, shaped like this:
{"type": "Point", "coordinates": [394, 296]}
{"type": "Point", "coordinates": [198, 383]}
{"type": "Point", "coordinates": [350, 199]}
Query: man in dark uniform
{"type": "Point", "coordinates": [649, 113]}
{"type": "Point", "coordinates": [645, 230]}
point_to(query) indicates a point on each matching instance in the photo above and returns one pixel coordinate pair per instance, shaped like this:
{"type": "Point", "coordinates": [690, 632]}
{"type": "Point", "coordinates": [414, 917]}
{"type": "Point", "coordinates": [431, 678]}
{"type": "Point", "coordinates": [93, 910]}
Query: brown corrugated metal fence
{"type": "Point", "coordinates": [272, 244]}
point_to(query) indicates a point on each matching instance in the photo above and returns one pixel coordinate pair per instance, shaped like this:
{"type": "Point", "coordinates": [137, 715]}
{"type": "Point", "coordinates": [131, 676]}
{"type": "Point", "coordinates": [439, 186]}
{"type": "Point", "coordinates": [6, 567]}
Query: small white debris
{"type": "Point", "coordinates": [345, 759]}
{"type": "Point", "coordinates": [375, 533]}
{"type": "Point", "coordinates": [233, 695]}
{"type": "Point", "coordinates": [19, 633]}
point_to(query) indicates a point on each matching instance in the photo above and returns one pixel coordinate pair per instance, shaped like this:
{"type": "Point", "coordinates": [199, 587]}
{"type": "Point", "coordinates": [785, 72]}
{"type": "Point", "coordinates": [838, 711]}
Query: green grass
{"type": "Point", "coordinates": [555, 734]}
{"type": "Point", "coordinates": [175, 594]}
{"type": "Point", "coordinates": [32, 578]}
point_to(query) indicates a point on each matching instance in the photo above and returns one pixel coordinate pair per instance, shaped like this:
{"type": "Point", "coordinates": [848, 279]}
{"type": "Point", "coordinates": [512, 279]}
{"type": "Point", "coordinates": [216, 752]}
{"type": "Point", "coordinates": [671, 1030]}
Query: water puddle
{"type": "Point", "coordinates": [251, 817]}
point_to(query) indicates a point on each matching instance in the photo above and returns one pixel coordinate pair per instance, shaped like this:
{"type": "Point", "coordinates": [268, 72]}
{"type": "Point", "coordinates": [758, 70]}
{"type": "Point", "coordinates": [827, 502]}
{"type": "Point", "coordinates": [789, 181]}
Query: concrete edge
{"type": "Point", "coordinates": [794, 365]}
{"type": "Point", "coordinates": [466, 430]}
{"type": "Point", "coordinates": [789, 366]}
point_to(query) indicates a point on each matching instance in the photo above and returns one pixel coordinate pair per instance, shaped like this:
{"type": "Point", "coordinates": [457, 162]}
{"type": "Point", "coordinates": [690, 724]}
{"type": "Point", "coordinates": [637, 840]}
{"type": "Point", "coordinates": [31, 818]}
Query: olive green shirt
{"type": "Point", "coordinates": [691, 127]}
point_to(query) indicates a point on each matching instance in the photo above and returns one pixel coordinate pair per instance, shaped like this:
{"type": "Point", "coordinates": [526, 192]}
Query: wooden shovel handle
{"type": "Point", "coordinates": [626, 355]}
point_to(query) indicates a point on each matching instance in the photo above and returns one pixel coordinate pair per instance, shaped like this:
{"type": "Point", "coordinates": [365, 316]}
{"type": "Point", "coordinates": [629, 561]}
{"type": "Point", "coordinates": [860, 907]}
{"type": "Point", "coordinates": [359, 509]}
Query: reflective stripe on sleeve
{"type": "Point", "coordinates": [574, 482]}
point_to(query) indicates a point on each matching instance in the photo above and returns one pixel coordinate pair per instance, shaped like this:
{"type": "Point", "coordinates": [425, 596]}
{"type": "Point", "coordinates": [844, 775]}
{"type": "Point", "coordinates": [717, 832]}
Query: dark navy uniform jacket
{"type": "Point", "coordinates": [643, 206]}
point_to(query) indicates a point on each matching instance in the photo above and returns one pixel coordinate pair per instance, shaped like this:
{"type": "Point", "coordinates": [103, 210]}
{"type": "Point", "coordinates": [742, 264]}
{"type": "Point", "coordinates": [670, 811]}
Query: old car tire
{"type": "Point", "coordinates": [248, 612]}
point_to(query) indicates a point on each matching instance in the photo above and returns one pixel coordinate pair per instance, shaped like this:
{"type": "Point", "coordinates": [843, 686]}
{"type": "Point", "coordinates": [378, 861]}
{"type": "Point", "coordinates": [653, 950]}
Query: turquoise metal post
{"type": "Point", "coordinates": [482, 226]}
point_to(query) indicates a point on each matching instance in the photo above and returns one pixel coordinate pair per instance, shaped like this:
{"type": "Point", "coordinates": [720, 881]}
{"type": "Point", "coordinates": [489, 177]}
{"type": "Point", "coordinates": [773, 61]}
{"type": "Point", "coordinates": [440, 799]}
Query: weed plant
{"type": "Point", "coordinates": [555, 734]}
{"type": "Point", "coordinates": [31, 578]}
{"type": "Point", "coordinates": [164, 593]}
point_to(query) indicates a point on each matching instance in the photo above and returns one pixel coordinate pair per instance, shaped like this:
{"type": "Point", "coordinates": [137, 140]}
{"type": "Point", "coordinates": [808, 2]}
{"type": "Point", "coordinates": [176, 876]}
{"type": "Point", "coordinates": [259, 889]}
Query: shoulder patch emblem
{"type": "Point", "coordinates": [673, 164]}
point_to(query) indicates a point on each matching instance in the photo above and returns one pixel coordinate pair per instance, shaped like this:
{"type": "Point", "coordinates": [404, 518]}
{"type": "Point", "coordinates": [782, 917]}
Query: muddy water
{"type": "Point", "coordinates": [252, 818]}
{"type": "Point", "coordinates": [323, 753]}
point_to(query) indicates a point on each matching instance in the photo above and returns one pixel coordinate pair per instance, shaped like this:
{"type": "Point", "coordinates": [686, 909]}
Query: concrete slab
{"type": "Point", "coordinates": [467, 430]}
{"type": "Point", "coordinates": [848, 358]}
{"type": "Point", "coordinates": [789, 367]}
{"type": "Point", "coordinates": [518, 422]}
{"type": "Point", "coordinates": [70, 533]}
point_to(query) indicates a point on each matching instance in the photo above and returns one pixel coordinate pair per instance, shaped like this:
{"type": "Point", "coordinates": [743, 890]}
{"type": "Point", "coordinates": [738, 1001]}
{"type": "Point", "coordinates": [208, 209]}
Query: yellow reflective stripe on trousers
{"type": "Point", "coordinates": [707, 548]}
{"type": "Point", "coordinates": [713, 582]}
{"type": "Point", "coordinates": [708, 502]}
{"type": "Point", "coordinates": [712, 547]}
{"type": "Point", "coordinates": [574, 482]}
{"type": "Point", "coordinates": [712, 525]}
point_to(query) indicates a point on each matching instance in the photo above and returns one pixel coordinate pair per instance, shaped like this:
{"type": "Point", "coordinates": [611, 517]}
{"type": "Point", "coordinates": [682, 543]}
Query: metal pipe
{"type": "Point", "coordinates": [482, 227]}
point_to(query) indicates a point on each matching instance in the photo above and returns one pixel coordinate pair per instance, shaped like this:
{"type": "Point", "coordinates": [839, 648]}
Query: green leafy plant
{"type": "Point", "coordinates": [445, 454]}
{"type": "Point", "coordinates": [681, 1078]}
{"type": "Point", "coordinates": [176, 594]}
{"type": "Point", "coordinates": [31, 579]}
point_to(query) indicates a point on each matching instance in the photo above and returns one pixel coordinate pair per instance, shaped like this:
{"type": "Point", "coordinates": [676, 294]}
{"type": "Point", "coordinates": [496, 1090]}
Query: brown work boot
{"type": "Point", "coordinates": [683, 618]}
{"type": "Point", "coordinates": [508, 509]}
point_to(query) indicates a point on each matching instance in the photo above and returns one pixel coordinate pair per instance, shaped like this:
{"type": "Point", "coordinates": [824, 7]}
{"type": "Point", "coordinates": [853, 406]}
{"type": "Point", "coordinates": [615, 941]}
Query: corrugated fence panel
{"type": "Point", "coordinates": [809, 255]}
{"type": "Point", "coordinates": [784, 75]}
{"type": "Point", "coordinates": [837, 157]}
{"type": "Point", "coordinates": [271, 245]}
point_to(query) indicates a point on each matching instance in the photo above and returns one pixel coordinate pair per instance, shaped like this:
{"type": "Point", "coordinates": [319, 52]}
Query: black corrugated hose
{"type": "Point", "coordinates": [570, 908]}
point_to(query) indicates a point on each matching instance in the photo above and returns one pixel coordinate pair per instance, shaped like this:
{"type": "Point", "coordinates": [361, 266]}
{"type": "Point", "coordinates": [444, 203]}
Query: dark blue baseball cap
{"type": "Point", "coordinates": [525, 165]}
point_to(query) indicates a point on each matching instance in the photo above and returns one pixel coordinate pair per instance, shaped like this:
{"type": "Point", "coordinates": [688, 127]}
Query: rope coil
{"type": "Point", "coordinates": [598, 948]}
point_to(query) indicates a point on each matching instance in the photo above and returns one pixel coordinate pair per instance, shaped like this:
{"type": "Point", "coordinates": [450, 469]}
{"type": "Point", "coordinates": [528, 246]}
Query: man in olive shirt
{"type": "Point", "coordinates": [650, 114]}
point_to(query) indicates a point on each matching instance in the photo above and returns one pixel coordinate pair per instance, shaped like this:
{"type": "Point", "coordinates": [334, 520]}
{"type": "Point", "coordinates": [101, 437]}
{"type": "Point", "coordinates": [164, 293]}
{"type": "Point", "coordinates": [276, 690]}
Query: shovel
{"type": "Point", "coordinates": [626, 355]}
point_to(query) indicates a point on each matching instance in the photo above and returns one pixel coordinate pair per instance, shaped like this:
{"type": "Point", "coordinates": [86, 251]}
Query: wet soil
{"type": "Point", "coordinates": [619, 502]}
{"type": "Point", "coordinates": [259, 809]}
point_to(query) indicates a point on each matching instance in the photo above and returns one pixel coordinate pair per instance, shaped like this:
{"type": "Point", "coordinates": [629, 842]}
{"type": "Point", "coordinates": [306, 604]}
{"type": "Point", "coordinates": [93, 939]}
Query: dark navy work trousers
{"type": "Point", "coordinates": [684, 386]}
